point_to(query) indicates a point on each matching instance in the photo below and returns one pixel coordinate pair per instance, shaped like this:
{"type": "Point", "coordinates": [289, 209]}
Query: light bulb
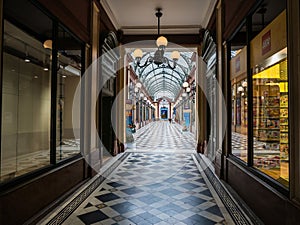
{"type": "Point", "coordinates": [161, 41]}
{"type": "Point", "coordinates": [185, 84]}
{"type": "Point", "coordinates": [138, 53]}
{"type": "Point", "coordinates": [138, 85]}
{"type": "Point", "coordinates": [244, 84]}
{"type": "Point", "coordinates": [48, 44]}
{"type": "Point", "coordinates": [240, 89]}
{"type": "Point", "coordinates": [188, 89]}
{"type": "Point", "coordinates": [175, 55]}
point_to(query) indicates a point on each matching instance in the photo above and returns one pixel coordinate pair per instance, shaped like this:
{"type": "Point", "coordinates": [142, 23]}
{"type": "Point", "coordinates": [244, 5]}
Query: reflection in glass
{"type": "Point", "coordinates": [26, 104]}
{"type": "Point", "coordinates": [68, 78]}
{"type": "Point", "coordinates": [270, 119]}
{"type": "Point", "coordinates": [239, 104]}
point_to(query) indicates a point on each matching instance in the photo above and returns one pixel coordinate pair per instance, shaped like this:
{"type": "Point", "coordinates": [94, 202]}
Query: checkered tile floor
{"type": "Point", "coordinates": [26, 163]}
{"type": "Point", "coordinates": [149, 189]}
{"type": "Point", "coordinates": [153, 187]}
{"type": "Point", "coordinates": [162, 136]}
{"type": "Point", "coordinates": [240, 145]}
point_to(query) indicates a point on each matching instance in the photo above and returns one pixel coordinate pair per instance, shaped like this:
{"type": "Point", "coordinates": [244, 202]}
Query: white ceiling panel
{"type": "Point", "coordinates": [179, 16]}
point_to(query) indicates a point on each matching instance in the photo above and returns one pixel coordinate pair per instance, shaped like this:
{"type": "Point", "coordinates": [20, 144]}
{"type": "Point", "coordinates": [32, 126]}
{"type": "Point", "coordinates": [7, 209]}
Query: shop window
{"type": "Point", "coordinates": [68, 78]}
{"type": "Point", "coordinates": [270, 121]}
{"type": "Point", "coordinates": [268, 75]}
{"type": "Point", "coordinates": [25, 103]}
{"type": "Point", "coordinates": [26, 90]}
{"type": "Point", "coordinates": [270, 100]}
{"type": "Point", "coordinates": [239, 96]}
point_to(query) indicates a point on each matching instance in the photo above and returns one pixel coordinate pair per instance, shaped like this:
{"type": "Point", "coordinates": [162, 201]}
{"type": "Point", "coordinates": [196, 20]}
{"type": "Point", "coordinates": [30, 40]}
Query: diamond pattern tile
{"type": "Point", "coordinates": [153, 187]}
{"type": "Point", "coordinates": [167, 198]}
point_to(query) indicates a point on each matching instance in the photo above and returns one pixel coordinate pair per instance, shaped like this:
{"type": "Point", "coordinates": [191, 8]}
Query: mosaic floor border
{"type": "Point", "coordinates": [63, 214]}
{"type": "Point", "coordinates": [236, 214]}
{"type": "Point", "coordinates": [232, 206]}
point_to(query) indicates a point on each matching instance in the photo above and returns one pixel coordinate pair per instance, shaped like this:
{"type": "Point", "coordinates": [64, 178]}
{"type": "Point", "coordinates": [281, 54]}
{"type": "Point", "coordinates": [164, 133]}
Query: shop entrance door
{"type": "Point", "coordinates": [107, 136]}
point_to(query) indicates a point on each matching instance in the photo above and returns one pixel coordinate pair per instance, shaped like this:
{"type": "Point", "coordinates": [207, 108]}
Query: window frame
{"type": "Point", "coordinates": [249, 165]}
{"type": "Point", "coordinates": [53, 164]}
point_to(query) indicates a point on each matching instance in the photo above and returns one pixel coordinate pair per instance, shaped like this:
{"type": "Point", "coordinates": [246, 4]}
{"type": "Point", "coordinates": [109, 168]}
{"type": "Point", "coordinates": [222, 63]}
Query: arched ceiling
{"type": "Point", "coordinates": [162, 81]}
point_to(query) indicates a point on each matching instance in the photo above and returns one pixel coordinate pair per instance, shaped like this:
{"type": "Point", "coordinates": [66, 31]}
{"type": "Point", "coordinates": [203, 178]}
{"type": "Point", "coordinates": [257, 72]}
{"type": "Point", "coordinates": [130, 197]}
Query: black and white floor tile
{"type": "Point", "coordinates": [158, 181]}
{"type": "Point", "coordinates": [151, 188]}
{"type": "Point", "coordinates": [163, 136]}
{"type": "Point", "coordinates": [240, 145]}
{"type": "Point", "coordinates": [22, 164]}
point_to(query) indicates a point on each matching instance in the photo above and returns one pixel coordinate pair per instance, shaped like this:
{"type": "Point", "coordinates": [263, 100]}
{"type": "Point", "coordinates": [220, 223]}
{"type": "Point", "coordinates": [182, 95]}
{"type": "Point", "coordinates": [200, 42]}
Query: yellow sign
{"type": "Point", "coordinates": [272, 72]}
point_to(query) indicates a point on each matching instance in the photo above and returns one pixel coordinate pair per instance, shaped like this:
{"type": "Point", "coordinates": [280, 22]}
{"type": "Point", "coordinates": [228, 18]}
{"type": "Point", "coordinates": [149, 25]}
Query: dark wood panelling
{"type": "Point", "coordinates": [234, 13]}
{"type": "Point", "coordinates": [268, 204]}
{"type": "Point", "coordinates": [106, 24]}
{"type": "Point", "coordinates": [218, 164]}
{"type": "Point", "coordinates": [212, 25]}
{"type": "Point", "coordinates": [184, 39]}
{"type": "Point", "coordinates": [74, 14]}
{"type": "Point", "coordinates": [21, 203]}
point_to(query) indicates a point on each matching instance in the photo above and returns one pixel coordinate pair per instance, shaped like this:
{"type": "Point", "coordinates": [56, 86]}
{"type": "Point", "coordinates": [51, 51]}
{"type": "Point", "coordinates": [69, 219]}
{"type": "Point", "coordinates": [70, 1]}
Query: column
{"type": "Point", "coordinates": [170, 109]}
{"type": "Point", "coordinates": [157, 108]}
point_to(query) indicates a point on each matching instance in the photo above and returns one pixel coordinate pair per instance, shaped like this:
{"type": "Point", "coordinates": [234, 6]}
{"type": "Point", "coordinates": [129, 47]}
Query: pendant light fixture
{"type": "Point", "coordinates": [159, 59]}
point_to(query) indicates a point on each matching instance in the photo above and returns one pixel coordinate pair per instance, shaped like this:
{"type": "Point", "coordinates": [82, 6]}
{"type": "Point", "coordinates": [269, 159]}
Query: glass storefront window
{"type": "Point", "coordinates": [25, 103]}
{"type": "Point", "coordinates": [26, 90]}
{"type": "Point", "coordinates": [270, 120]}
{"type": "Point", "coordinates": [269, 96]}
{"type": "Point", "coordinates": [239, 96]}
{"type": "Point", "coordinates": [270, 101]}
{"type": "Point", "coordinates": [239, 119]}
{"type": "Point", "coordinates": [68, 78]}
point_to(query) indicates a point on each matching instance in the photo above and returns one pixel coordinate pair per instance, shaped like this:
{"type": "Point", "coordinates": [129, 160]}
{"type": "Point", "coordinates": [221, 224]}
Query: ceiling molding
{"type": "Point", "coordinates": [153, 31]}
{"type": "Point", "coordinates": [209, 13]}
{"type": "Point", "coordinates": [110, 14]}
{"type": "Point", "coordinates": [185, 40]}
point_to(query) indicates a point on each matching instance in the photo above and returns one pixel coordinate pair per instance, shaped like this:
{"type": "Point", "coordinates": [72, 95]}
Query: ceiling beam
{"type": "Point", "coordinates": [180, 39]}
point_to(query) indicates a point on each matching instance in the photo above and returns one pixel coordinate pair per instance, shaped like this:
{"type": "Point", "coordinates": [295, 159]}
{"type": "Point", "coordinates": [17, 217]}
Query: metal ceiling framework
{"type": "Point", "coordinates": [161, 81]}
{"type": "Point", "coordinates": [164, 94]}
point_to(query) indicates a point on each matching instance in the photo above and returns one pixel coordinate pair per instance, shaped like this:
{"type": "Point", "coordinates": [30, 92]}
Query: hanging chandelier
{"type": "Point", "coordinates": [159, 59]}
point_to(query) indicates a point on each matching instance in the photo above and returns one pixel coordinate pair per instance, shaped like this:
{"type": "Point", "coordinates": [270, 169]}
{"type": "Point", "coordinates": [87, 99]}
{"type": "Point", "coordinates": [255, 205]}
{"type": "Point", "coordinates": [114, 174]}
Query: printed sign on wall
{"type": "Point", "coordinates": [266, 42]}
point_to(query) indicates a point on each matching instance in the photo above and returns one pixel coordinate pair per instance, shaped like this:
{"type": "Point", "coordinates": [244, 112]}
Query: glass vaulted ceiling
{"type": "Point", "coordinates": [161, 81]}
